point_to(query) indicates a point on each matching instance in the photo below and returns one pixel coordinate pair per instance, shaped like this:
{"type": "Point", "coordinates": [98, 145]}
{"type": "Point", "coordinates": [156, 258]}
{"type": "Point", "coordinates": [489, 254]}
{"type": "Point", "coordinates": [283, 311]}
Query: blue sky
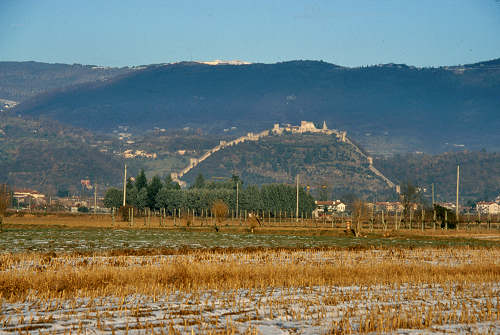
{"type": "Point", "coordinates": [350, 33]}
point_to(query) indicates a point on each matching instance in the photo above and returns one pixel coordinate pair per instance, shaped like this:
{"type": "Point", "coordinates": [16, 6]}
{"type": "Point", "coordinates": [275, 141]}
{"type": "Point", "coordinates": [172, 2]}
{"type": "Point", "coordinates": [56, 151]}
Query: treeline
{"type": "Point", "coordinates": [156, 194]}
{"type": "Point", "coordinates": [479, 173]}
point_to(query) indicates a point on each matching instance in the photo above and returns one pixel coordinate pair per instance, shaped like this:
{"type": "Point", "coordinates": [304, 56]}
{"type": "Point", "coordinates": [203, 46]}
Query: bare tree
{"type": "Point", "coordinates": [5, 197]}
{"type": "Point", "coordinates": [220, 210]}
{"type": "Point", "coordinates": [360, 212]}
{"type": "Point", "coordinates": [410, 195]}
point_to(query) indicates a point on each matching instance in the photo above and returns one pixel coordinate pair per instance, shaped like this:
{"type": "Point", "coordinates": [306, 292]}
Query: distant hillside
{"type": "Point", "coordinates": [479, 173]}
{"type": "Point", "coordinates": [320, 160]}
{"type": "Point", "coordinates": [50, 157]}
{"type": "Point", "coordinates": [23, 80]}
{"type": "Point", "coordinates": [388, 108]}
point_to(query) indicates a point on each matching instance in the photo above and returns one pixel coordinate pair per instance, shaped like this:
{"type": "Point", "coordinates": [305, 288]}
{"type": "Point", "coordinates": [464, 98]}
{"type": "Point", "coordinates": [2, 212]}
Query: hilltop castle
{"type": "Point", "coordinates": [308, 127]}
{"type": "Point", "coordinates": [305, 127]}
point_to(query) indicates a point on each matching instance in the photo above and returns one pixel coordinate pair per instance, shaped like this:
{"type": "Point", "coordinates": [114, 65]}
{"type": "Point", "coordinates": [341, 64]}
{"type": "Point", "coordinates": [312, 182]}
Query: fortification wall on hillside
{"type": "Point", "coordinates": [305, 127]}
{"type": "Point", "coordinates": [193, 162]}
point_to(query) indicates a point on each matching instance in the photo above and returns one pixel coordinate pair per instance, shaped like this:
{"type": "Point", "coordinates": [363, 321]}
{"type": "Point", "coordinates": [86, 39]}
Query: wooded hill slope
{"type": "Point", "coordinates": [320, 160]}
{"type": "Point", "coordinates": [23, 80]}
{"type": "Point", "coordinates": [49, 157]}
{"type": "Point", "coordinates": [479, 173]}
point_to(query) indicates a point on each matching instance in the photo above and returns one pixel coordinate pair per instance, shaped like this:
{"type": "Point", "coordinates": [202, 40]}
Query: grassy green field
{"type": "Point", "coordinates": [17, 238]}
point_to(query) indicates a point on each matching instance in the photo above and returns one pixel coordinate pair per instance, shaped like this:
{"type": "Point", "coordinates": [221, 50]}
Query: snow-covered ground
{"type": "Point", "coordinates": [55, 239]}
{"type": "Point", "coordinates": [430, 305]}
{"type": "Point", "coordinates": [431, 256]}
{"type": "Point", "coordinates": [315, 310]}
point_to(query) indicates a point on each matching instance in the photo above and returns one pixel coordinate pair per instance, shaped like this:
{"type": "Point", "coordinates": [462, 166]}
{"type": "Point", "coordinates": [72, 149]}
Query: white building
{"type": "Point", "coordinates": [138, 153]}
{"type": "Point", "coordinates": [325, 207]}
{"type": "Point", "coordinates": [22, 194]}
{"type": "Point", "coordinates": [488, 207]}
{"type": "Point", "coordinates": [29, 197]}
{"type": "Point", "coordinates": [389, 206]}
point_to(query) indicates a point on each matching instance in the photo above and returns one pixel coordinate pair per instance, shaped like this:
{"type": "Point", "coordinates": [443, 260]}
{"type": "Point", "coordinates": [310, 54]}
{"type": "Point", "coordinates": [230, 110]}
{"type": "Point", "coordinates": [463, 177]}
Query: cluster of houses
{"type": "Point", "coordinates": [6, 104]}
{"type": "Point", "coordinates": [337, 207]}
{"type": "Point", "coordinates": [29, 197]}
{"type": "Point", "coordinates": [328, 207]}
{"type": "Point", "coordinates": [129, 153]}
{"type": "Point", "coordinates": [33, 200]}
{"type": "Point", "coordinates": [482, 207]}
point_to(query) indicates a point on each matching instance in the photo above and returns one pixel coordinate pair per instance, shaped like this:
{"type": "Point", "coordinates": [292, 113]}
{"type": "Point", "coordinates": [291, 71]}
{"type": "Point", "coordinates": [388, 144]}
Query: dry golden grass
{"type": "Point", "coordinates": [98, 221]}
{"type": "Point", "coordinates": [65, 276]}
{"type": "Point", "coordinates": [229, 291]}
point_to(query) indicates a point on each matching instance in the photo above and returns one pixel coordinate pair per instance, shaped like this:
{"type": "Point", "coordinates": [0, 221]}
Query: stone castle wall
{"type": "Point", "coordinates": [305, 127]}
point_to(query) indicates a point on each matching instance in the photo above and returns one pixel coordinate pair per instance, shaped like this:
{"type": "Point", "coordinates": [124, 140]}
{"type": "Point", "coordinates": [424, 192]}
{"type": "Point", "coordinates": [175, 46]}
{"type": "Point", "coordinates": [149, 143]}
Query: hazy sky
{"type": "Point", "coordinates": [350, 33]}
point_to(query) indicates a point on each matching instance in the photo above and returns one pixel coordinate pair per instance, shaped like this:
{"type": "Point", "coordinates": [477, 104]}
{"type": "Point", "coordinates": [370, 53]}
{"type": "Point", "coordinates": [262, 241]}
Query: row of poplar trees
{"type": "Point", "coordinates": [165, 194]}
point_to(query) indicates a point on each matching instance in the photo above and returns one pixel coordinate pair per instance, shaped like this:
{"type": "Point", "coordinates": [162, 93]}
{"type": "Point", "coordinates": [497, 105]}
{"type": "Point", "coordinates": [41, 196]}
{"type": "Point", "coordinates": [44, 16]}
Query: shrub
{"type": "Point", "coordinates": [123, 212]}
{"type": "Point", "coordinates": [220, 210]}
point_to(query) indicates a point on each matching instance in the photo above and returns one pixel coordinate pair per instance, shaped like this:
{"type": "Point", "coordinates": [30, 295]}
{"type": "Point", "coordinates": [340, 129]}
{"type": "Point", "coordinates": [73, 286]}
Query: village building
{"type": "Point", "coordinates": [488, 207]}
{"type": "Point", "coordinates": [328, 207]}
{"type": "Point", "coordinates": [138, 154]}
{"type": "Point", "coordinates": [388, 206]}
{"type": "Point", "coordinates": [448, 205]}
{"type": "Point", "coordinates": [86, 184]}
{"type": "Point", "coordinates": [29, 197]}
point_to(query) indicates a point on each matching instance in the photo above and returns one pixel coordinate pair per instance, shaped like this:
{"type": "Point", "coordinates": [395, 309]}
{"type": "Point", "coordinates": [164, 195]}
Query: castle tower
{"type": "Point", "coordinates": [277, 129]}
{"type": "Point", "coordinates": [324, 126]}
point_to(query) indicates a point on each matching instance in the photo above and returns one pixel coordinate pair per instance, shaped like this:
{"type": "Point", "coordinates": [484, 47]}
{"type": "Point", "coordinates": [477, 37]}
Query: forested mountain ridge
{"type": "Point", "coordinates": [391, 106]}
{"type": "Point", "coordinates": [23, 80]}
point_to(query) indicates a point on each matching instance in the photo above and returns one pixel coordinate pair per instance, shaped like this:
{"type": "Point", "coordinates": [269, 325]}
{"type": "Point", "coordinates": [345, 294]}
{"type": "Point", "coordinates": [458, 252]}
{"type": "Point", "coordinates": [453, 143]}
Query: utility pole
{"type": "Point", "coordinates": [458, 186]}
{"type": "Point", "coordinates": [95, 197]}
{"type": "Point", "coordinates": [297, 208]}
{"type": "Point", "coordinates": [125, 187]}
{"type": "Point", "coordinates": [432, 195]}
{"type": "Point", "coordinates": [237, 199]}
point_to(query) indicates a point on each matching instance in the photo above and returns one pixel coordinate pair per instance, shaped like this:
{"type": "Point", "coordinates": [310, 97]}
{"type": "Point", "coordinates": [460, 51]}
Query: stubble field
{"type": "Point", "coordinates": [150, 281]}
